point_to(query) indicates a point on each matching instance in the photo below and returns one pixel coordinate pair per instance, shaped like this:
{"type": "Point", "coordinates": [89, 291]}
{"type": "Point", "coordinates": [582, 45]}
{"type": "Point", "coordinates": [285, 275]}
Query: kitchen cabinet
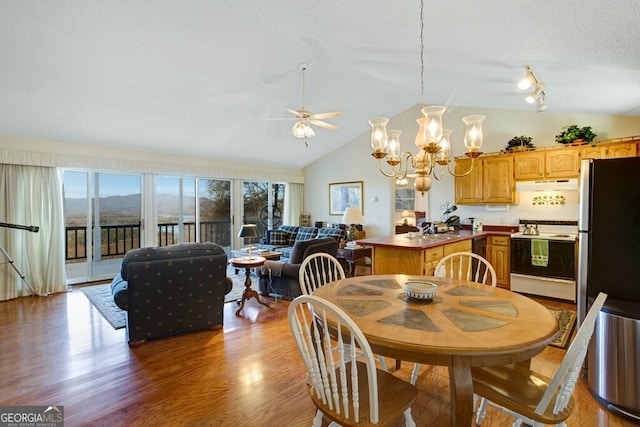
{"type": "Point", "coordinates": [431, 258]}
{"type": "Point", "coordinates": [561, 163]}
{"type": "Point", "coordinates": [499, 253]}
{"type": "Point", "coordinates": [468, 188]}
{"type": "Point", "coordinates": [529, 165]}
{"type": "Point", "coordinates": [413, 261]}
{"type": "Point", "coordinates": [490, 181]}
{"type": "Point", "coordinates": [609, 151]}
{"type": "Point", "coordinates": [545, 164]}
{"type": "Point", "coordinates": [615, 151]}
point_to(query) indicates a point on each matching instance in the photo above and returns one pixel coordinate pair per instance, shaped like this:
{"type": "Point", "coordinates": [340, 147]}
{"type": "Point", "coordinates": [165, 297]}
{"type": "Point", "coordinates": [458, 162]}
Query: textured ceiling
{"type": "Point", "coordinates": [204, 78]}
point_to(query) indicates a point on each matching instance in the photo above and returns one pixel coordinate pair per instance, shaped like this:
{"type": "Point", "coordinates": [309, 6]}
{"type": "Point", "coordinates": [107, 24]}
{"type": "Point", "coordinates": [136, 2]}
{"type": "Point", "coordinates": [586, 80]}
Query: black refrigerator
{"type": "Point", "coordinates": [609, 262]}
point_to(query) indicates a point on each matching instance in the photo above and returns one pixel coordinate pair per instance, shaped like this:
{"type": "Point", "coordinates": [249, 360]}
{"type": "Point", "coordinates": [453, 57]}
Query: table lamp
{"type": "Point", "coordinates": [249, 232]}
{"type": "Point", "coordinates": [352, 216]}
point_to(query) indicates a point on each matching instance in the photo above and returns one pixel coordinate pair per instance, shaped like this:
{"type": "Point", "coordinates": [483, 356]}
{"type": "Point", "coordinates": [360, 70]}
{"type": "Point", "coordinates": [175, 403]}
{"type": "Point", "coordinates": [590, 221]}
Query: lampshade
{"type": "Point", "coordinates": [352, 216]}
{"type": "Point", "coordinates": [248, 231]}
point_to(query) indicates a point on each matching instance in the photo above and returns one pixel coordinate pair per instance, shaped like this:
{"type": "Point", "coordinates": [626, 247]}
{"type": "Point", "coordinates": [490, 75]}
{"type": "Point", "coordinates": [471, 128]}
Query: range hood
{"type": "Point", "coordinates": [547, 185]}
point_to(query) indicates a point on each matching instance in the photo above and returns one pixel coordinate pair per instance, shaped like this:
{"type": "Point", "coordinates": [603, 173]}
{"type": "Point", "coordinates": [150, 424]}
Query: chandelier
{"type": "Point", "coordinates": [433, 142]}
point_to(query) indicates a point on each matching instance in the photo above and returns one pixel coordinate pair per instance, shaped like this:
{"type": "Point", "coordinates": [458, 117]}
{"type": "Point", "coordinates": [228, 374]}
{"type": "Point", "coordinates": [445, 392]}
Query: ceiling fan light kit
{"type": "Point", "coordinates": [433, 142]}
{"type": "Point", "coordinates": [302, 128]}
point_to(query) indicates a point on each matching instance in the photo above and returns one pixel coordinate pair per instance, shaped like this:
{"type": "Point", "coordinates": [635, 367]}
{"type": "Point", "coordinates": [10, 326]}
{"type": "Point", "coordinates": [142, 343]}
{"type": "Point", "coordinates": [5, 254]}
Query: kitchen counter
{"type": "Point", "coordinates": [427, 241]}
{"type": "Point", "coordinates": [401, 254]}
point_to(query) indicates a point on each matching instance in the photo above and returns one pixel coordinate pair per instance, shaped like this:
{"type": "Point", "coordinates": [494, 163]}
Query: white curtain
{"type": "Point", "coordinates": [31, 196]}
{"type": "Point", "coordinates": [294, 203]}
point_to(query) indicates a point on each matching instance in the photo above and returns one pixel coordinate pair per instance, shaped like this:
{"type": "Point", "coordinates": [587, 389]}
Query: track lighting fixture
{"type": "Point", "coordinates": [538, 94]}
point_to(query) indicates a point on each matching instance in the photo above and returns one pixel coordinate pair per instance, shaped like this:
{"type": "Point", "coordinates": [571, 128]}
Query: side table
{"type": "Point", "coordinates": [270, 255]}
{"type": "Point", "coordinates": [351, 255]}
{"type": "Point", "coordinates": [248, 263]}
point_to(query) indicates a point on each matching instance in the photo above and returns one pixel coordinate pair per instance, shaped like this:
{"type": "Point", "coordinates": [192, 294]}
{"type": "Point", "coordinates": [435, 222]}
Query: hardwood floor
{"type": "Point", "coordinates": [58, 350]}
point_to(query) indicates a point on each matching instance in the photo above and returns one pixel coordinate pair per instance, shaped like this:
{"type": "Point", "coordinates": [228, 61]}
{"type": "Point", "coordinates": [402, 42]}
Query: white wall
{"type": "Point", "coordinates": [40, 152]}
{"type": "Point", "coordinates": [353, 162]}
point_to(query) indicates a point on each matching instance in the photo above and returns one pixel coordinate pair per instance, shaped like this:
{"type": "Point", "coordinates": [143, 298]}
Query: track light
{"type": "Point", "coordinates": [538, 94]}
{"type": "Point", "coordinates": [531, 98]}
{"type": "Point", "coordinates": [527, 81]}
{"type": "Point", "coordinates": [541, 105]}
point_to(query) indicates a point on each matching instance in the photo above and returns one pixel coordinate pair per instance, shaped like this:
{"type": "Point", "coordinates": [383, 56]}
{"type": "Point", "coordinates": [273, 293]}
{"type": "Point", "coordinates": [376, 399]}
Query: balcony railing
{"type": "Point", "coordinates": [117, 239]}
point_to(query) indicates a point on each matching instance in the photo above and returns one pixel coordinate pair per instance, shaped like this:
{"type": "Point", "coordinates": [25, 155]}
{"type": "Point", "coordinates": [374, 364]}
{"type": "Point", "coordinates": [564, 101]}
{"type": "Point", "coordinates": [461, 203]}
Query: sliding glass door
{"type": "Point", "coordinates": [102, 220]}
{"type": "Point", "coordinates": [214, 207]}
{"type": "Point", "coordinates": [263, 205]}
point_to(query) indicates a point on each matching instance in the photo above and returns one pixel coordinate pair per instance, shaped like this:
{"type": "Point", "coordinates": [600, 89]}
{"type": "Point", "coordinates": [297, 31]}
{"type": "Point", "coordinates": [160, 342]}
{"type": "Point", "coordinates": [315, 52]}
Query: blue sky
{"type": "Point", "coordinates": [75, 185]}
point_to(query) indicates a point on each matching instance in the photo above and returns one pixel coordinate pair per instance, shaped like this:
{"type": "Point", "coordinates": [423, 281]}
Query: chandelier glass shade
{"type": "Point", "coordinates": [433, 141]}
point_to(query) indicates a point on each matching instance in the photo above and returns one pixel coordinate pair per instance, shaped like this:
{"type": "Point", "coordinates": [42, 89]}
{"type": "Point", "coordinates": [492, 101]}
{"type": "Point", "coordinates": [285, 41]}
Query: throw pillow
{"type": "Point", "coordinates": [306, 233]}
{"type": "Point", "coordinates": [279, 238]}
{"type": "Point", "coordinates": [336, 233]}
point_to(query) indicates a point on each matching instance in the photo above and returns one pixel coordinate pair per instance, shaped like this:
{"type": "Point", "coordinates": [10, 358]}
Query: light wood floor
{"type": "Point", "coordinates": [58, 350]}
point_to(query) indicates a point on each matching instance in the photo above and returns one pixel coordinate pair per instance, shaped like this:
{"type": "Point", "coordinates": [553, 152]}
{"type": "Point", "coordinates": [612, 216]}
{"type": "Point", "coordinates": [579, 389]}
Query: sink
{"type": "Point", "coordinates": [429, 237]}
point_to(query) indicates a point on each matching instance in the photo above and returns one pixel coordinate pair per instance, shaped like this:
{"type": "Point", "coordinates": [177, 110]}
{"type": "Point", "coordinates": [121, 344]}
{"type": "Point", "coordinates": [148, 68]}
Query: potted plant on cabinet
{"type": "Point", "coordinates": [519, 143]}
{"type": "Point", "coordinates": [575, 135]}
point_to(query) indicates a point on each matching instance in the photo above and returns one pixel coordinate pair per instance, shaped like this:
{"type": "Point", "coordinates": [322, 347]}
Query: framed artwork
{"type": "Point", "coordinates": [343, 195]}
{"type": "Point", "coordinates": [405, 198]}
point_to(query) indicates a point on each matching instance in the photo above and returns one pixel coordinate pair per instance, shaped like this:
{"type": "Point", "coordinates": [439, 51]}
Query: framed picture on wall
{"type": "Point", "coordinates": [405, 198]}
{"type": "Point", "coordinates": [343, 195]}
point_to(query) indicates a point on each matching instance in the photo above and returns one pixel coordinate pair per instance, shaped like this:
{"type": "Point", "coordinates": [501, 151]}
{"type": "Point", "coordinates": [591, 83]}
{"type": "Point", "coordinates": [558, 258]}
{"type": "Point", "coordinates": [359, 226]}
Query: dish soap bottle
{"type": "Point", "coordinates": [477, 225]}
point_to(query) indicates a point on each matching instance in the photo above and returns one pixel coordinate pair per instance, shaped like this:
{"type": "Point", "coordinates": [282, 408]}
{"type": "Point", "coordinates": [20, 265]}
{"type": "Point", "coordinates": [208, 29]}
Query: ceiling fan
{"type": "Point", "coordinates": [302, 128]}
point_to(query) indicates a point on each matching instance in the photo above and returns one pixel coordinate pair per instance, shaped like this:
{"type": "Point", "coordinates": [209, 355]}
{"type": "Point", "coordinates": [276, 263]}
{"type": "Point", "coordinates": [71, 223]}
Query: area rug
{"type": "Point", "coordinates": [102, 299]}
{"type": "Point", "coordinates": [566, 323]}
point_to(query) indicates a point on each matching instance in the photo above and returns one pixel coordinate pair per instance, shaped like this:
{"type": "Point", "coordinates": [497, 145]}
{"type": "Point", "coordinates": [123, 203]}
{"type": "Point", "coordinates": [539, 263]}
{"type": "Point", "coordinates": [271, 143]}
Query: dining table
{"type": "Point", "coordinates": [465, 324]}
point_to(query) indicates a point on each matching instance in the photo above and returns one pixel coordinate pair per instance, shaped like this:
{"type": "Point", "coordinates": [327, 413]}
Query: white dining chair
{"type": "Point", "coordinates": [466, 266]}
{"type": "Point", "coordinates": [318, 270]}
{"type": "Point", "coordinates": [345, 386]}
{"type": "Point", "coordinates": [461, 265]}
{"type": "Point", "coordinates": [527, 395]}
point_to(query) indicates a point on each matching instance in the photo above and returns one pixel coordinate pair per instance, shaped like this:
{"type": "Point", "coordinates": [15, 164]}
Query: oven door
{"type": "Point", "coordinates": [561, 264]}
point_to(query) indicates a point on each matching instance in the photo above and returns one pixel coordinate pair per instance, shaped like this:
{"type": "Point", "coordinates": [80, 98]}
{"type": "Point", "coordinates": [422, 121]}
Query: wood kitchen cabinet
{"type": "Point", "coordinates": [490, 181]}
{"type": "Point", "coordinates": [547, 164]}
{"type": "Point", "coordinates": [529, 165]}
{"type": "Point", "coordinates": [609, 151]}
{"type": "Point", "coordinates": [413, 261]}
{"type": "Point", "coordinates": [499, 258]}
{"type": "Point", "coordinates": [468, 188]}
{"type": "Point", "coordinates": [562, 163]}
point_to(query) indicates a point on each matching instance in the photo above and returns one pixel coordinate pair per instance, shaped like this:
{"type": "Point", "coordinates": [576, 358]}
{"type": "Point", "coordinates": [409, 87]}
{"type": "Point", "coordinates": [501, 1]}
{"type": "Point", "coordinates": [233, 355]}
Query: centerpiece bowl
{"type": "Point", "coordinates": [420, 290]}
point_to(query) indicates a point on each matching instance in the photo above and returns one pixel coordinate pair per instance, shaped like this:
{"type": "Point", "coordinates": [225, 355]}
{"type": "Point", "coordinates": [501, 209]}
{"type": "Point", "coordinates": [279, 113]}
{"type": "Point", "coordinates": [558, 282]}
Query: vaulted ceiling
{"type": "Point", "coordinates": [207, 78]}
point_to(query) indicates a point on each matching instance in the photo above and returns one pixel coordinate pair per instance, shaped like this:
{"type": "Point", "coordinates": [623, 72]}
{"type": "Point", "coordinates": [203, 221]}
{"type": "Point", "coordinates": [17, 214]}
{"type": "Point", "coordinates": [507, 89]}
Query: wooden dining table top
{"type": "Point", "coordinates": [466, 324]}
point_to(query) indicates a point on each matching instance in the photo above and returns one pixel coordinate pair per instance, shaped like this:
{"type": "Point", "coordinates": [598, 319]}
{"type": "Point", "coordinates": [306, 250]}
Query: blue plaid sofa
{"type": "Point", "coordinates": [286, 236]}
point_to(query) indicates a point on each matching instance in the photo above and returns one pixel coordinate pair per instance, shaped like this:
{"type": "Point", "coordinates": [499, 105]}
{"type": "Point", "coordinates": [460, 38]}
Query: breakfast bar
{"type": "Point", "coordinates": [416, 254]}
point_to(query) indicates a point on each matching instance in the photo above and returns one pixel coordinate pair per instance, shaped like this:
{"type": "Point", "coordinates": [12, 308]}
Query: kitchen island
{"type": "Point", "coordinates": [406, 254]}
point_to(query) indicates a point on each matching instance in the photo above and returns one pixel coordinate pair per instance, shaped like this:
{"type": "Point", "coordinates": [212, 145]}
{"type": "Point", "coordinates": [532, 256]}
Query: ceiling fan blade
{"type": "Point", "coordinates": [280, 118]}
{"type": "Point", "coordinates": [323, 124]}
{"type": "Point", "coordinates": [294, 112]}
{"type": "Point", "coordinates": [326, 115]}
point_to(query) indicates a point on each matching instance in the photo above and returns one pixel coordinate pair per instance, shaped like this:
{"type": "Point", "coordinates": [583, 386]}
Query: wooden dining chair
{"type": "Point", "coordinates": [466, 266]}
{"type": "Point", "coordinates": [345, 387]}
{"type": "Point", "coordinates": [527, 395]}
{"type": "Point", "coordinates": [318, 270]}
{"type": "Point", "coordinates": [462, 266]}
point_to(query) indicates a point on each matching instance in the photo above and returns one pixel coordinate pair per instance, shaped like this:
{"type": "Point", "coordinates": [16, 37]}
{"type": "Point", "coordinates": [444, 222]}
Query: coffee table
{"type": "Point", "coordinates": [248, 263]}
